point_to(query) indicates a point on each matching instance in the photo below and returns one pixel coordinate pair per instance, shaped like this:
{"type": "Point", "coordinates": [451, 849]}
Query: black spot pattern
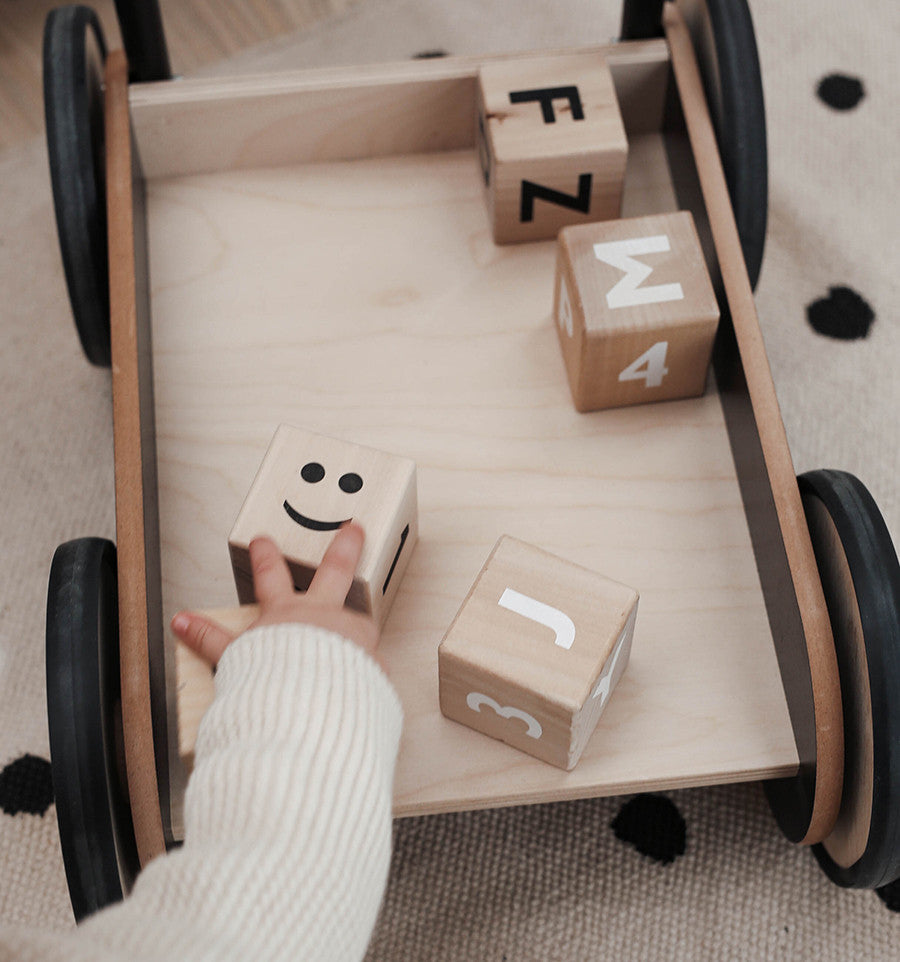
{"type": "Point", "coordinates": [840, 92]}
{"type": "Point", "coordinates": [843, 315]}
{"type": "Point", "coordinates": [430, 55]}
{"type": "Point", "coordinates": [653, 825]}
{"type": "Point", "coordinates": [890, 895]}
{"type": "Point", "coordinates": [26, 786]}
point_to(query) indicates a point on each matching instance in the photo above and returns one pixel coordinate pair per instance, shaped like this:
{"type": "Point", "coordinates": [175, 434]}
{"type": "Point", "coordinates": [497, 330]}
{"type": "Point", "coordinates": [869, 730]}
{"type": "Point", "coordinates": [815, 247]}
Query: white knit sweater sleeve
{"type": "Point", "coordinates": [287, 818]}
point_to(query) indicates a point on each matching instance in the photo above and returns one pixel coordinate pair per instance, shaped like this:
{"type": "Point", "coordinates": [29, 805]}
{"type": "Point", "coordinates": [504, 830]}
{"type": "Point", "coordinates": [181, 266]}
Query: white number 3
{"type": "Point", "coordinates": [653, 362]}
{"type": "Point", "coordinates": [475, 700]}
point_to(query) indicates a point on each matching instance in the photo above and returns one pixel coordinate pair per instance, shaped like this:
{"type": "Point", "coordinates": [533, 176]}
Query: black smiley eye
{"type": "Point", "coordinates": [312, 472]}
{"type": "Point", "coordinates": [350, 483]}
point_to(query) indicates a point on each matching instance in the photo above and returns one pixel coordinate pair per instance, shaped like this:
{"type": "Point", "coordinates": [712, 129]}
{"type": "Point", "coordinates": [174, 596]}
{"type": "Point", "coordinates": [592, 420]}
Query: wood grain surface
{"type": "Point", "coordinates": [579, 155]}
{"type": "Point", "coordinates": [365, 299]}
{"type": "Point", "coordinates": [796, 603]}
{"type": "Point", "coordinates": [634, 351]}
{"type": "Point", "coordinates": [198, 32]}
{"type": "Point", "coordinates": [529, 645]}
{"type": "Point", "coordinates": [301, 513]}
{"type": "Point", "coordinates": [847, 843]}
{"type": "Point", "coordinates": [137, 523]}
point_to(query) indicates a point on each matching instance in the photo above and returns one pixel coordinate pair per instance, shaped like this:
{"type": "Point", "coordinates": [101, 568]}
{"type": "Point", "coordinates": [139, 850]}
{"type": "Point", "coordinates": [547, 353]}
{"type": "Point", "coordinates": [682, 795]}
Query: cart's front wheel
{"type": "Point", "coordinates": [861, 579]}
{"type": "Point", "coordinates": [84, 714]}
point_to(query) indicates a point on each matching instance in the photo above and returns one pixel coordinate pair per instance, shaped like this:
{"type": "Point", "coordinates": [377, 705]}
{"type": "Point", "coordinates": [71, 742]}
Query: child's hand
{"type": "Point", "coordinates": [321, 605]}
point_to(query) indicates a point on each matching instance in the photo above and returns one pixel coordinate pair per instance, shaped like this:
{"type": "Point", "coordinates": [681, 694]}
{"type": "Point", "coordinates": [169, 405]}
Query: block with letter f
{"type": "Point", "coordinates": [551, 144]}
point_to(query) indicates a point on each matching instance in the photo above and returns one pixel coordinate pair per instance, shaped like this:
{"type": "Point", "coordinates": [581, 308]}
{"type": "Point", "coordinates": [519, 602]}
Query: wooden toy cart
{"type": "Point", "coordinates": [312, 248]}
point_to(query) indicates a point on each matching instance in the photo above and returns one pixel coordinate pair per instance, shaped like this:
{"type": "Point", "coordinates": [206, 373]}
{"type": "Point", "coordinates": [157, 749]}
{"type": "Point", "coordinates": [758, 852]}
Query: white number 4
{"type": "Point", "coordinates": [649, 367]}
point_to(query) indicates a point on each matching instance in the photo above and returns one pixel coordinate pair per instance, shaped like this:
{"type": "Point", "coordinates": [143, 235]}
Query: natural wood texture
{"type": "Point", "coordinates": [635, 311]}
{"type": "Point", "coordinates": [551, 144]}
{"type": "Point", "coordinates": [196, 680]}
{"type": "Point", "coordinates": [848, 840]}
{"type": "Point", "coordinates": [306, 487]}
{"type": "Point", "coordinates": [366, 300]}
{"type": "Point", "coordinates": [535, 651]}
{"type": "Point", "coordinates": [137, 533]}
{"type": "Point", "coordinates": [197, 33]}
{"type": "Point", "coordinates": [495, 437]}
{"type": "Point", "coordinates": [787, 565]}
{"type": "Point", "coordinates": [201, 126]}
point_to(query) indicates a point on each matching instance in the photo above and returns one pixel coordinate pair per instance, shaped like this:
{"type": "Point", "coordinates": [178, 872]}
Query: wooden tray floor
{"type": "Point", "coordinates": [365, 299]}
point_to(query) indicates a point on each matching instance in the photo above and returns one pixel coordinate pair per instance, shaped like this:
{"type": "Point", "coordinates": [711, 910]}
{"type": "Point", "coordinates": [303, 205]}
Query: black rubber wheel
{"type": "Point", "coordinates": [641, 19]}
{"type": "Point", "coordinates": [722, 33]}
{"type": "Point", "coordinates": [74, 52]}
{"type": "Point", "coordinates": [861, 579]}
{"type": "Point", "coordinates": [84, 714]}
{"type": "Point", "coordinates": [141, 26]}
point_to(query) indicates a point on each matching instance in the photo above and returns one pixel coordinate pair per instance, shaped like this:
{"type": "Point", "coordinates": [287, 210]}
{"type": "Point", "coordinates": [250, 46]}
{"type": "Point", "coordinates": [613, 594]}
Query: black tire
{"type": "Point", "coordinates": [140, 24]}
{"type": "Point", "coordinates": [641, 19]}
{"type": "Point", "coordinates": [723, 38]}
{"type": "Point", "coordinates": [74, 52]}
{"type": "Point", "coordinates": [84, 714]}
{"type": "Point", "coordinates": [861, 578]}
{"type": "Point", "coordinates": [740, 119]}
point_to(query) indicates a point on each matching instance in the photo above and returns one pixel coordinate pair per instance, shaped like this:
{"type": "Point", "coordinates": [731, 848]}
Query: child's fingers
{"type": "Point", "coordinates": [272, 579]}
{"type": "Point", "coordinates": [334, 575]}
{"type": "Point", "coordinates": [202, 636]}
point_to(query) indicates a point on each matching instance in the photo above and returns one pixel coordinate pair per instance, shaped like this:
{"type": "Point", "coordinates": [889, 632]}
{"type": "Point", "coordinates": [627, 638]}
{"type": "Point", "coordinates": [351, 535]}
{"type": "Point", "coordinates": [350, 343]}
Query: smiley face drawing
{"type": "Point", "coordinates": [307, 486]}
{"type": "Point", "coordinates": [312, 472]}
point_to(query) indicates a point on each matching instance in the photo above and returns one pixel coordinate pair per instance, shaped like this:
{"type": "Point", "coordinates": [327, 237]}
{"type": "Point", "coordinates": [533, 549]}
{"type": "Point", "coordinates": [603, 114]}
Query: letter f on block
{"type": "Point", "coordinates": [628, 292]}
{"type": "Point", "coordinates": [554, 619]}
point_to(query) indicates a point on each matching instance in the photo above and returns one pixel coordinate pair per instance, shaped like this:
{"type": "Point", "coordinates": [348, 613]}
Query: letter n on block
{"type": "Point", "coordinates": [535, 651]}
{"type": "Point", "coordinates": [551, 144]}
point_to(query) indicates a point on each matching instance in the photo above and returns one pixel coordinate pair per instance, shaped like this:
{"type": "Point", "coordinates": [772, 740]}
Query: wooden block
{"type": "Point", "coordinates": [535, 651]}
{"type": "Point", "coordinates": [306, 487]}
{"type": "Point", "coordinates": [195, 677]}
{"type": "Point", "coordinates": [635, 311]}
{"type": "Point", "coordinates": [551, 144]}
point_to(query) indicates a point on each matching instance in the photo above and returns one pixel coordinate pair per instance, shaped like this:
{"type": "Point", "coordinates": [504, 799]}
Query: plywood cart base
{"type": "Point", "coordinates": [317, 250]}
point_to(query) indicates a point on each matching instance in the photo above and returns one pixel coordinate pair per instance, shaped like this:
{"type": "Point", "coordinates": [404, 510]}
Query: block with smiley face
{"type": "Point", "coordinates": [307, 486]}
{"type": "Point", "coordinates": [535, 652]}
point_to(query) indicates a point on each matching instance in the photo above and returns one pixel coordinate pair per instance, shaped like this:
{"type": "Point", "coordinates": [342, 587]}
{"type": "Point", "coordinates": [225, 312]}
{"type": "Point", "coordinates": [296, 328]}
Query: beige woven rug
{"type": "Point", "coordinates": [701, 874]}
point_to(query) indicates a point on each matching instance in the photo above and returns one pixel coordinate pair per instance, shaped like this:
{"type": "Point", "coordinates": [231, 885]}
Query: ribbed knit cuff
{"type": "Point", "coordinates": [287, 814]}
{"type": "Point", "coordinates": [285, 667]}
{"type": "Point", "coordinates": [303, 693]}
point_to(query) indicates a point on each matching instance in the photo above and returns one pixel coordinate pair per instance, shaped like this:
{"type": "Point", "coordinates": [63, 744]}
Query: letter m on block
{"type": "Point", "coordinates": [532, 192]}
{"type": "Point", "coordinates": [630, 291]}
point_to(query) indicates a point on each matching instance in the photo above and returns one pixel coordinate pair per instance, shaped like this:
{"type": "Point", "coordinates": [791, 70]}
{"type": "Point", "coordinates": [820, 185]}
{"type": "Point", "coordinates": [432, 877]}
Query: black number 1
{"type": "Point", "coordinates": [403, 538]}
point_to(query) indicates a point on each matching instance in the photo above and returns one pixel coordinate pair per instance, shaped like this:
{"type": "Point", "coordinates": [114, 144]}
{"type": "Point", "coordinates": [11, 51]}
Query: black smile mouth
{"type": "Point", "coordinates": [311, 523]}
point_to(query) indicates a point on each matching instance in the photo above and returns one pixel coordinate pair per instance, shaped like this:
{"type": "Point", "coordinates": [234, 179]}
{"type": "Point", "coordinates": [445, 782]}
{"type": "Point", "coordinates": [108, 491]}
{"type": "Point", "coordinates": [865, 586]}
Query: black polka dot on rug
{"type": "Point", "coordinates": [653, 825]}
{"type": "Point", "coordinates": [843, 315]}
{"type": "Point", "coordinates": [840, 92]}
{"type": "Point", "coordinates": [890, 895]}
{"type": "Point", "coordinates": [26, 785]}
